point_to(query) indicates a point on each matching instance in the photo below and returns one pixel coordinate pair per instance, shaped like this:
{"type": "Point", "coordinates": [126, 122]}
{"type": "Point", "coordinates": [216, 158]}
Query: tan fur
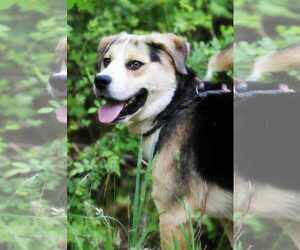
{"type": "Point", "coordinates": [105, 42]}
{"type": "Point", "coordinates": [61, 51]}
{"type": "Point", "coordinates": [177, 47]}
{"type": "Point", "coordinates": [222, 61]}
{"type": "Point", "coordinates": [265, 201]}
{"type": "Point", "coordinates": [167, 192]}
{"type": "Point", "coordinates": [292, 229]}
{"type": "Point", "coordinates": [277, 61]}
{"type": "Point", "coordinates": [165, 189]}
{"type": "Point", "coordinates": [174, 199]}
{"type": "Point", "coordinates": [229, 229]}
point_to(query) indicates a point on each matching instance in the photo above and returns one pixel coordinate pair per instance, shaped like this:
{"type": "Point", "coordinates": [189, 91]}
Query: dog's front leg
{"type": "Point", "coordinates": [174, 230]}
{"type": "Point", "coordinates": [228, 229]}
{"type": "Point", "coordinates": [292, 229]}
{"type": "Point", "coordinates": [172, 233]}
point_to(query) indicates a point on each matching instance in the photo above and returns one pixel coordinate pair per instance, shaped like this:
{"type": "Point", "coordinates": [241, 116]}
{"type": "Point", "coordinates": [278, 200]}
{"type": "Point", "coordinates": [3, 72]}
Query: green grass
{"type": "Point", "coordinates": [140, 224]}
{"type": "Point", "coordinates": [140, 230]}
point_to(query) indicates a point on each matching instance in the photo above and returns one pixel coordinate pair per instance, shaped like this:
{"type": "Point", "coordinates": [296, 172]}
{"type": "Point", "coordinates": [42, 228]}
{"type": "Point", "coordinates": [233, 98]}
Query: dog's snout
{"type": "Point", "coordinates": [58, 81]}
{"type": "Point", "coordinates": [101, 81]}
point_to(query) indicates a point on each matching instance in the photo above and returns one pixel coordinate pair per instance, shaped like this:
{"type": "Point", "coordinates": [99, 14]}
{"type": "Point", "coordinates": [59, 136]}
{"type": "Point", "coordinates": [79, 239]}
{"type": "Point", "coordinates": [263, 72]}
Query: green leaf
{"type": "Point", "coordinates": [45, 110]}
{"type": "Point", "coordinates": [92, 110]}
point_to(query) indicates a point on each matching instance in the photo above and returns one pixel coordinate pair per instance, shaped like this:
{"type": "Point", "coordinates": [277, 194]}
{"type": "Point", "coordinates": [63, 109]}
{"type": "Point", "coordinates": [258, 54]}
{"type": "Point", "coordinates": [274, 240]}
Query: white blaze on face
{"type": "Point", "coordinates": [158, 78]}
{"type": "Point", "coordinates": [120, 88]}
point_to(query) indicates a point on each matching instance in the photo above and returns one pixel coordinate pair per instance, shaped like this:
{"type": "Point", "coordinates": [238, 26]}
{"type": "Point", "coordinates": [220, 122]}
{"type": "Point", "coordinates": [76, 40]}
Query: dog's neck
{"type": "Point", "coordinates": [150, 129]}
{"type": "Point", "coordinates": [150, 141]}
{"type": "Point", "coordinates": [139, 128]}
{"type": "Point", "coordinates": [149, 144]}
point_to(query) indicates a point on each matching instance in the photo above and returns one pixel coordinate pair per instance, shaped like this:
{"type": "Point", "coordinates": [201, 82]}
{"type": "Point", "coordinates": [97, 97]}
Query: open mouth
{"type": "Point", "coordinates": [61, 114]}
{"type": "Point", "coordinates": [115, 110]}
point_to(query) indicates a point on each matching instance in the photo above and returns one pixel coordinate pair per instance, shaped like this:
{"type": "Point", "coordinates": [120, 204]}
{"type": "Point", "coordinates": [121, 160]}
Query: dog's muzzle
{"type": "Point", "coordinates": [101, 82]}
{"type": "Point", "coordinates": [57, 87]}
{"type": "Point", "coordinates": [57, 83]}
{"type": "Point", "coordinates": [116, 110]}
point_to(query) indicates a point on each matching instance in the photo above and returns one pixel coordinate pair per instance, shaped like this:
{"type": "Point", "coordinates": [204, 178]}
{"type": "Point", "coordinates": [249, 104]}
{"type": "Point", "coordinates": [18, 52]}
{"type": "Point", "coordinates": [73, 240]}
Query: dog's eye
{"type": "Point", "coordinates": [106, 62]}
{"type": "Point", "coordinates": [134, 65]}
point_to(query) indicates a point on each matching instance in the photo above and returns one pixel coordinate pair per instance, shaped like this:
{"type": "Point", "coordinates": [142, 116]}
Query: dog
{"type": "Point", "coordinates": [188, 136]}
{"type": "Point", "coordinates": [57, 85]}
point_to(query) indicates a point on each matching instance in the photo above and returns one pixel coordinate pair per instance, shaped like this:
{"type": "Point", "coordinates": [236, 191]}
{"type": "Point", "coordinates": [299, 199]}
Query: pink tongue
{"type": "Point", "coordinates": [61, 114]}
{"type": "Point", "coordinates": [108, 113]}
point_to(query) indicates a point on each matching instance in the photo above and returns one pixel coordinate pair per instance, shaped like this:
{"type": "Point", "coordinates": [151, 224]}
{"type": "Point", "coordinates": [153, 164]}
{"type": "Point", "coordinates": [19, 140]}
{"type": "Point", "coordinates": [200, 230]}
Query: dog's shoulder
{"type": "Point", "coordinates": [204, 133]}
{"type": "Point", "coordinates": [211, 139]}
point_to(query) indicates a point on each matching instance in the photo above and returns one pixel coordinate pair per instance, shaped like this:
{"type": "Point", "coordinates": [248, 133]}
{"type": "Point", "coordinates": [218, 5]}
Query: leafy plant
{"type": "Point", "coordinates": [105, 171]}
{"type": "Point", "coordinates": [32, 143]}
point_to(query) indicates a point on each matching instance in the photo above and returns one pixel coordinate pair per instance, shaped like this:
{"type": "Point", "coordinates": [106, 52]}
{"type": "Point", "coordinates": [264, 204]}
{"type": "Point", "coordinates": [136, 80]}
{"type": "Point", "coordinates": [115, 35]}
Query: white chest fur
{"type": "Point", "coordinates": [149, 145]}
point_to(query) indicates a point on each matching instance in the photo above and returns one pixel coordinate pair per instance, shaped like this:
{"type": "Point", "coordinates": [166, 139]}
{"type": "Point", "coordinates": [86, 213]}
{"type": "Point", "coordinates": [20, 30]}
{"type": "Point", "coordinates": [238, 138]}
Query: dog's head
{"type": "Point", "coordinates": [138, 75]}
{"type": "Point", "coordinates": [57, 85]}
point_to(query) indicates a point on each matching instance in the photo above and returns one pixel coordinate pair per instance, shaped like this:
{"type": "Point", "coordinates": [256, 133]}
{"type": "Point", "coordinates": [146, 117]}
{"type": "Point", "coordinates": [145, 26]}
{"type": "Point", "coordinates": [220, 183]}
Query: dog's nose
{"type": "Point", "coordinates": [58, 81]}
{"type": "Point", "coordinates": [101, 81]}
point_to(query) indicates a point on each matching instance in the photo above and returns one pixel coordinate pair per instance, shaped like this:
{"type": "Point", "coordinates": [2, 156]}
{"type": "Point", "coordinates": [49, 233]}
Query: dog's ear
{"type": "Point", "coordinates": [175, 46]}
{"type": "Point", "coordinates": [61, 50]}
{"type": "Point", "coordinates": [106, 41]}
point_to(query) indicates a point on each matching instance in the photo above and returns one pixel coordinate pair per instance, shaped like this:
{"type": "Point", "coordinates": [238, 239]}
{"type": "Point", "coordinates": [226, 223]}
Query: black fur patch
{"type": "Point", "coordinates": [211, 139]}
{"type": "Point", "coordinates": [224, 78]}
{"type": "Point", "coordinates": [154, 51]}
{"type": "Point", "coordinates": [209, 145]}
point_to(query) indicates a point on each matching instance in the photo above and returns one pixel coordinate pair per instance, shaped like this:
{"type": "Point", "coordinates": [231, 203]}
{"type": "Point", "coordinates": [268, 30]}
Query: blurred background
{"type": "Point", "coordinates": [32, 141]}
{"type": "Point", "coordinates": [263, 27]}
{"type": "Point", "coordinates": [108, 191]}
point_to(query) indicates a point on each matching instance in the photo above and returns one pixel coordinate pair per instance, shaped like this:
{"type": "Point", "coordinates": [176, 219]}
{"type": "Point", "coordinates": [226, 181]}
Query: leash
{"type": "Point", "coordinates": [247, 89]}
{"type": "Point", "coordinates": [151, 131]}
{"type": "Point", "coordinates": [243, 89]}
{"type": "Point", "coordinates": [206, 88]}
{"type": "Point", "coordinates": [202, 90]}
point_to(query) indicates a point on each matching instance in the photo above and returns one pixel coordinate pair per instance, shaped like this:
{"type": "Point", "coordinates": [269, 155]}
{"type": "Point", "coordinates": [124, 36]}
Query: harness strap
{"type": "Point", "coordinates": [151, 131]}
{"type": "Point", "coordinates": [248, 89]}
{"type": "Point", "coordinates": [205, 88]}
{"type": "Point", "coordinates": [202, 90]}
